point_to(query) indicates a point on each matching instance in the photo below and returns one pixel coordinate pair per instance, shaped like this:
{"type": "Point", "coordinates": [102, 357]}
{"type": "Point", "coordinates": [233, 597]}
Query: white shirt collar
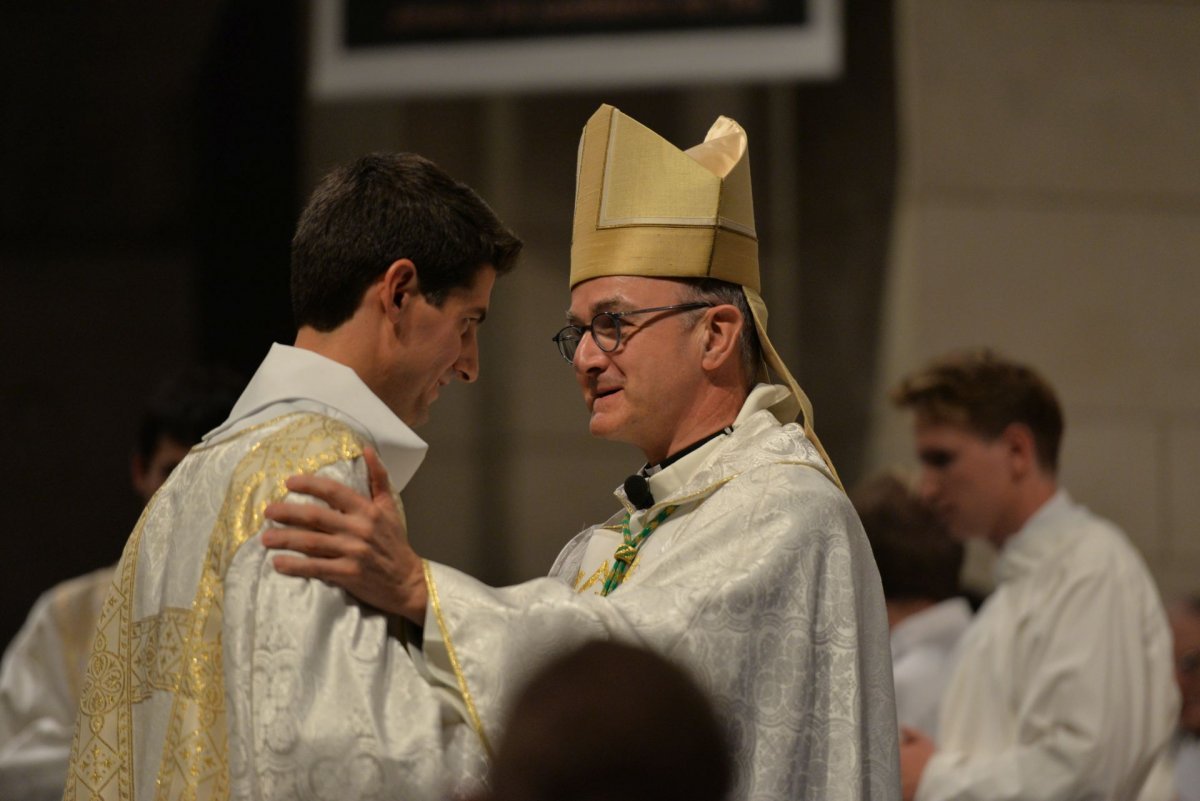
{"type": "Point", "coordinates": [668, 481]}
{"type": "Point", "coordinates": [763, 396]}
{"type": "Point", "coordinates": [291, 374]}
{"type": "Point", "coordinates": [1036, 540]}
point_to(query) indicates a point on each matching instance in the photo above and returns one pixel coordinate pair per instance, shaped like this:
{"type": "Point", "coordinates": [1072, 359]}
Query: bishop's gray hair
{"type": "Point", "coordinates": [719, 293]}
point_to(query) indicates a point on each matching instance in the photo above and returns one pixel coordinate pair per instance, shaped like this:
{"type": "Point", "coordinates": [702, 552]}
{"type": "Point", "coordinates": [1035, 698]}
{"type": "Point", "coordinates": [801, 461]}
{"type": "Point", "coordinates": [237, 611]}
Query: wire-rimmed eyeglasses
{"type": "Point", "coordinates": [605, 329]}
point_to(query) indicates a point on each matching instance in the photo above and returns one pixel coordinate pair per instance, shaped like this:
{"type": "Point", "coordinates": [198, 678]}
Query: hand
{"type": "Point", "coordinates": [916, 749]}
{"type": "Point", "coordinates": [358, 543]}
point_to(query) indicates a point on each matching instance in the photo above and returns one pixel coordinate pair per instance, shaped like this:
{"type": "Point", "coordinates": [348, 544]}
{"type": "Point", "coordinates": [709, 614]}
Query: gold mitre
{"type": "Point", "coordinates": [645, 207]}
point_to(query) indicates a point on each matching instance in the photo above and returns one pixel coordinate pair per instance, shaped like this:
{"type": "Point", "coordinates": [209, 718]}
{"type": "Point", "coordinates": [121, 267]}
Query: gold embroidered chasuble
{"type": "Point", "coordinates": [171, 660]}
{"type": "Point", "coordinates": [214, 677]}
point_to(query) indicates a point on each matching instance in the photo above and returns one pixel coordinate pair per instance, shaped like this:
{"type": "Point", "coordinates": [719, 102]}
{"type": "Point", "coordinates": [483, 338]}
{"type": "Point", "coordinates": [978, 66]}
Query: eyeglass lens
{"type": "Point", "coordinates": [606, 331]}
{"type": "Point", "coordinates": [606, 328]}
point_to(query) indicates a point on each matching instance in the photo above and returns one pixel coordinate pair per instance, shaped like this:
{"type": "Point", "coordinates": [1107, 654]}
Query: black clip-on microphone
{"type": "Point", "coordinates": [637, 490]}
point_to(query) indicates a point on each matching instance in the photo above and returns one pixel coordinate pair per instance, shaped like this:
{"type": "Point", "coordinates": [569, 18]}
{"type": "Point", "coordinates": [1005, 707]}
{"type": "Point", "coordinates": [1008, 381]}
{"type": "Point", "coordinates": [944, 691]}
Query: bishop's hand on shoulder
{"type": "Point", "coordinates": [355, 542]}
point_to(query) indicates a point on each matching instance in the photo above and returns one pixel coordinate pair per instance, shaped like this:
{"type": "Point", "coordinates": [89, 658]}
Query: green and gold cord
{"type": "Point", "coordinates": [628, 550]}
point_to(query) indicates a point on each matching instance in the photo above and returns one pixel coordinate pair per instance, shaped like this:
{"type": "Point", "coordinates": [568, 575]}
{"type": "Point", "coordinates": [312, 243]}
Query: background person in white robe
{"type": "Point", "coordinates": [919, 564]}
{"type": "Point", "coordinates": [212, 677]}
{"type": "Point", "coordinates": [43, 667]}
{"type": "Point", "coordinates": [1176, 775]}
{"type": "Point", "coordinates": [733, 552]}
{"type": "Point", "coordinates": [1062, 688]}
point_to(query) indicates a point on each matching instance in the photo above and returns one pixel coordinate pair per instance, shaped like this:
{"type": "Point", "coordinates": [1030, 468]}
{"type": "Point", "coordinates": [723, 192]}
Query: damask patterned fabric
{"type": "Point", "coordinates": [213, 676]}
{"type": "Point", "coordinates": [761, 583]}
{"type": "Point", "coordinates": [40, 680]}
{"type": "Point", "coordinates": [1064, 688]}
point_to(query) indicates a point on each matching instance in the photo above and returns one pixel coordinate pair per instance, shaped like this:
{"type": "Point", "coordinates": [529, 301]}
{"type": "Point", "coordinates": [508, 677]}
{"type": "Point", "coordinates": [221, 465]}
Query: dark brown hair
{"type": "Point", "coordinates": [364, 216]}
{"type": "Point", "coordinates": [986, 393]}
{"type": "Point", "coordinates": [916, 556]}
{"type": "Point", "coordinates": [612, 721]}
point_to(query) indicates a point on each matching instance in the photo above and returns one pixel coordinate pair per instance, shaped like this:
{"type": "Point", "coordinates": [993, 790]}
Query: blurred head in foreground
{"type": "Point", "coordinates": [611, 721]}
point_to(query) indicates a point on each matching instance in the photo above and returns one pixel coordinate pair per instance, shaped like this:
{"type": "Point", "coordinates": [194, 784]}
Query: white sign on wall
{"type": "Point", "coordinates": [395, 48]}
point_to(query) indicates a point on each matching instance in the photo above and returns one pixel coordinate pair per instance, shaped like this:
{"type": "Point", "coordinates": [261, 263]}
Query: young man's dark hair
{"type": "Point", "coordinates": [986, 393]}
{"type": "Point", "coordinates": [364, 216]}
{"type": "Point", "coordinates": [916, 556]}
{"type": "Point", "coordinates": [186, 406]}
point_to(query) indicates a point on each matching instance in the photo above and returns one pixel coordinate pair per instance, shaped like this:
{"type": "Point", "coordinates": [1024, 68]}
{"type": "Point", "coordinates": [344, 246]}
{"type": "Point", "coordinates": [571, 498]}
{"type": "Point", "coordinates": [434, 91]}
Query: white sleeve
{"type": "Point", "coordinates": [1091, 714]}
{"type": "Point", "coordinates": [37, 710]}
{"type": "Point", "coordinates": [771, 599]}
{"type": "Point", "coordinates": [323, 698]}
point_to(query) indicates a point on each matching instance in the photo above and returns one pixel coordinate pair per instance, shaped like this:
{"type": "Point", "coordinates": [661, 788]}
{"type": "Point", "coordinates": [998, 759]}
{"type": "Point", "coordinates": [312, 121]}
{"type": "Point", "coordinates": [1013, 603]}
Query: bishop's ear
{"type": "Point", "coordinates": [722, 335]}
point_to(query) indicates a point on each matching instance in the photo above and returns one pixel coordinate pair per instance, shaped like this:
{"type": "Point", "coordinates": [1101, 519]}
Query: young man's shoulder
{"type": "Point", "coordinates": [1093, 543]}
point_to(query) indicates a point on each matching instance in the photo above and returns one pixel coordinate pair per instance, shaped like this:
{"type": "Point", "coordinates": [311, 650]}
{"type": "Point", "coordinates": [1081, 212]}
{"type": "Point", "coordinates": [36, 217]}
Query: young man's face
{"type": "Point", "coordinates": [966, 480]}
{"type": "Point", "coordinates": [640, 392]}
{"type": "Point", "coordinates": [441, 344]}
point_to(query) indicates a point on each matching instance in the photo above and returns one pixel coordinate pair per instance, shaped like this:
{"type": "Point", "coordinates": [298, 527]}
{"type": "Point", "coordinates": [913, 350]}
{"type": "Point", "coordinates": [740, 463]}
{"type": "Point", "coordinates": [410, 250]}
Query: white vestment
{"type": "Point", "coordinates": [1176, 774]}
{"type": "Point", "coordinates": [761, 583]}
{"type": "Point", "coordinates": [1064, 685]}
{"type": "Point", "coordinates": [40, 680]}
{"type": "Point", "coordinates": [215, 677]}
{"type": "Point", "coordinates": [923, 648]}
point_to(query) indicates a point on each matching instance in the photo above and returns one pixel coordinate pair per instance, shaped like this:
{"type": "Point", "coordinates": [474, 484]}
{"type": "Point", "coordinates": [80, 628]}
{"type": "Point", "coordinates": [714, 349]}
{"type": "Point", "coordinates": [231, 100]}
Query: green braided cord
{"type": "Point", "coordinates": [628, 550]}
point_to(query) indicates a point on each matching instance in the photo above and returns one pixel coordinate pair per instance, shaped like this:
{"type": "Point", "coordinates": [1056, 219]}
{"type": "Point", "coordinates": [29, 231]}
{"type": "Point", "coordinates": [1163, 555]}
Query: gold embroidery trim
{"type": "Point", "coordinates": [179, 651]}
{"type": "Point", "coordinates": [225, 440]}
{"type": "Point", "coordinates": [198, 721]}
{"type": "Point", "coordinates": [159, 643]}
{"type": "Point", "coordinates": [105, 767]}
{"type": "Point", "coordinates": [582, 586]}
{"type": "Point", "coordinates": [461, 677]}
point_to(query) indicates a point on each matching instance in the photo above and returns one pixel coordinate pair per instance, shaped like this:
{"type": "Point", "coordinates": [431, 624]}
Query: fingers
{"type": "Point", "coordinates": [339, 496]}
{"type": "Point", "coordinates": [377, 475]}
{"type": "Point", "coordinates": [333, 571]}
{"type": "Point", "coordinates": [321, 546]}
{"type": "Point", "coordinates": [334, 493]}
{"type": "Point", "coordinates": [307, 515]}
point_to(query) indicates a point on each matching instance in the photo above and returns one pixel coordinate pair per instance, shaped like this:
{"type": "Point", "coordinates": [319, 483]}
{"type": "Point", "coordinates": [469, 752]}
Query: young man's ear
{"type": "Point", "coordinates": [398, 287]}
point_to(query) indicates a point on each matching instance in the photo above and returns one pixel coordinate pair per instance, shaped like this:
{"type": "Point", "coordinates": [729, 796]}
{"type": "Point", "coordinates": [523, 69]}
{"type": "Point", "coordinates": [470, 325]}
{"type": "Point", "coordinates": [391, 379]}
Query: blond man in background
{"type": "Point", "coordinates": [1062, 689]}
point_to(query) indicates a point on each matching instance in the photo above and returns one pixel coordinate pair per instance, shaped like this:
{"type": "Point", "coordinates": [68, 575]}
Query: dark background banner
{"type": "Point", "coordinates": [369, 23]}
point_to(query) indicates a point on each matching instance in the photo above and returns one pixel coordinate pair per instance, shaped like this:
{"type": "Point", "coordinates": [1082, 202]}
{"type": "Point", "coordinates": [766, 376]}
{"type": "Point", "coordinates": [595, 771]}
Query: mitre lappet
{"type": "Point", "coordinates": [644, 207]}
